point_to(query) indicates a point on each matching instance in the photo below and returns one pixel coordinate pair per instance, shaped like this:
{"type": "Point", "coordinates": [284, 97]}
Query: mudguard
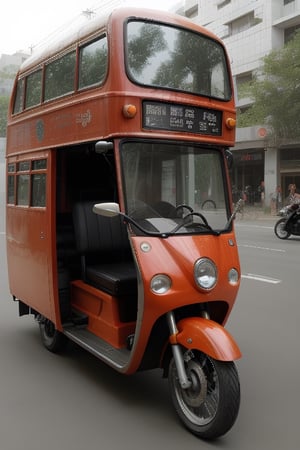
{"type": "Point", "coordinates": [207, 336]}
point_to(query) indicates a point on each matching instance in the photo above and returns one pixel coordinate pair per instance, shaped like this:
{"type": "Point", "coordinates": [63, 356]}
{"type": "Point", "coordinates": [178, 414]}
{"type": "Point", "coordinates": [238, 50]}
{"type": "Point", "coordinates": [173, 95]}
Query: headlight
{"type": "Point", "coordinates": [233, 276]}
{"type": "Point", "coordinates": [160, 284]}
{"type": "Point", "coordinates": [205, 273]}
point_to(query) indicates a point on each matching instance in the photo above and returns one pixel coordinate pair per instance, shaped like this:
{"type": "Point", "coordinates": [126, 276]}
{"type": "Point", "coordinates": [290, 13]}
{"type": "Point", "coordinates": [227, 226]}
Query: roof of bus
{"type": "Point", "coordinates": [81, 29]}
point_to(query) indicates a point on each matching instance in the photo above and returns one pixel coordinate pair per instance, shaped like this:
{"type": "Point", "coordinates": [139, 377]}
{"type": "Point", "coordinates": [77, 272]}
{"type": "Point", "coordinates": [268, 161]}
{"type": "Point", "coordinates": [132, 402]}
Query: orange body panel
{"type": "Point", "coordinates": [28, 253]}
{"type": "Point", "coordinates": [175, 256]}
{"type": "Point", "coordinates": [209, 337]}
{"type": "Point", "coordinates": [102, 310]}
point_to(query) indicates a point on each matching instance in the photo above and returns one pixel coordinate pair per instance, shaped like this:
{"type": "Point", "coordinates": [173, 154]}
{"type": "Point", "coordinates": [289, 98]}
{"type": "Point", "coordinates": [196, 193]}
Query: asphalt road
{"type": "Point", "coordinates": [74, 402]}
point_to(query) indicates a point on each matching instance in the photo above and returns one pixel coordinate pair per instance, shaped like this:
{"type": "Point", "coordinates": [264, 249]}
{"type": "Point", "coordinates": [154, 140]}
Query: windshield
{"type": "Point", "coordinates": [173, 188]}
{"type": "Point", "coordinates": [175, 58]}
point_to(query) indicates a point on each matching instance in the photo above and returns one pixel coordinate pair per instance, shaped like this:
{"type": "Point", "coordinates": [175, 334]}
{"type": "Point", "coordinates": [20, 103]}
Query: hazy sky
{"type": "Point", "coordinates": [25, 23]}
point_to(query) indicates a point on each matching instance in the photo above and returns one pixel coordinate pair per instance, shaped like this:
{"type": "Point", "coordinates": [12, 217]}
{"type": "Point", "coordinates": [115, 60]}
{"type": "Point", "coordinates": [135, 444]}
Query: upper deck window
{"type": "Point", "coordinates": [175, 58]}
{"type": "Point", "coordinates": [19, 98]}
{"type": "Point", "coordinates": [60, 76]}
{"type": "Point", "coordinates": [33, 89]}
{"type": "Point", "coordinates": [93, 63]}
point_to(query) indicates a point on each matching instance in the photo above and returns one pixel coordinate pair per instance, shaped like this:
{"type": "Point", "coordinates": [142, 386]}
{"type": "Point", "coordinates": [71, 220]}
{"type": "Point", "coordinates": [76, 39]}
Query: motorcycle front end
{"type": "Point", "coordinates": [203, 379]}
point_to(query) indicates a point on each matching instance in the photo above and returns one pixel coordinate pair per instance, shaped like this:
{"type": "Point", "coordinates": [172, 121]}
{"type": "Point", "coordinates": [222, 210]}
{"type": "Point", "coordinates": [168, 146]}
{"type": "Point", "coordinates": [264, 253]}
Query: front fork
{"type": "Point", "coordinates": [179, 360]}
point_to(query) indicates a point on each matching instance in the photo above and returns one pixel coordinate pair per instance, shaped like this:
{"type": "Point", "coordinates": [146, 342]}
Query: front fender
{"type": "Point", "coordinates": [207, 336]}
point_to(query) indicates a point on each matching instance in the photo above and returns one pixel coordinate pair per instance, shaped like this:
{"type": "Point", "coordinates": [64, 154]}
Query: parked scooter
{"type": "Point", "coordinates": [289, 224]}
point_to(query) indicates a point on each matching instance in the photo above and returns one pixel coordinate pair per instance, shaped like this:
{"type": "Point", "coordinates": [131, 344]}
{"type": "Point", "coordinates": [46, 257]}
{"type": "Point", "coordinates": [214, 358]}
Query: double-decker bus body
{"type": "Point", "coordinates": [134, 113]}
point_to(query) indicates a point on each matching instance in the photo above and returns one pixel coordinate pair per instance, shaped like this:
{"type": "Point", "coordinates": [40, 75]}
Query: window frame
{"type": "Point", "coordinates": [21, 175]}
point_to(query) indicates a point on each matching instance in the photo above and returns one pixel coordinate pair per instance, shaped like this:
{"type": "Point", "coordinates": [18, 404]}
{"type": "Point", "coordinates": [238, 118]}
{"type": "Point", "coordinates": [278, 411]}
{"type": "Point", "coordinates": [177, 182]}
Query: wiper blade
{"type": "Point", "coordinates": [238, 207]}
{"type": "Point", "coordinates": [129, 219]}
{"type": "Point", "coordinates": [205, 224]}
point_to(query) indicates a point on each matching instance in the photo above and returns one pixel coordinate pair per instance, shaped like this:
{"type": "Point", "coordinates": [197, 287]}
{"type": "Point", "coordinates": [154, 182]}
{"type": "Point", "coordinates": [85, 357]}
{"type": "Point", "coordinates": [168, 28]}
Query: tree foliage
{"type": "Point", "coordinates": [276, 92]}
{"type": "Point", "coordinates": [3, 114]}
{"type": "Point", "coordinates": [7, 73]}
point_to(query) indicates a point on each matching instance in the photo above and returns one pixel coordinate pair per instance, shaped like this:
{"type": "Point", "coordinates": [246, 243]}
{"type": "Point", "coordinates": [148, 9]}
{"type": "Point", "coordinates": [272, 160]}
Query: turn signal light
{"type": "Point", "coordinates": [230, 123]}
{"type": "Point", "coordinates": [129, 111]}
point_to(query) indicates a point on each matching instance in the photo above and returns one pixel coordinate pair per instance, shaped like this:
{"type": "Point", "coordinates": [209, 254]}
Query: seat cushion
{"type": "Point", "coordinates": [117, 279]}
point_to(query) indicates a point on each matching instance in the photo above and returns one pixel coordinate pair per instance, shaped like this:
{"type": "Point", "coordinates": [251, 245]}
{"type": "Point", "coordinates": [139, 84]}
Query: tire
{"type": "Point", "coordinates": [52, 339]}
{"type": "Point", "coordinates": [210, 407]}
{"type": "Point", "coordinates": [279, 230]}
{"type": "Point", "coordinates": [208, 205]}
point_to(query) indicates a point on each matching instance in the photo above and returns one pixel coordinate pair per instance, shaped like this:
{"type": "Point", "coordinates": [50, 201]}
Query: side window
{"type": "Point", "coordinates": [60, 76]}
{"type": "Point", "coordinates": [19, 99]}
{"type": "Point", "coordinates": [93, 63]}
{"type": "Point", "coordinates": [38, 183]}
{"type": "Point", "coordinates": [26, 184]}
{"type": "Point", "coordinates": [11, 177]}
{"type": "Point", "coordinates": [23, 183]}
{"type": "Point", "coordinates": [33, 89]}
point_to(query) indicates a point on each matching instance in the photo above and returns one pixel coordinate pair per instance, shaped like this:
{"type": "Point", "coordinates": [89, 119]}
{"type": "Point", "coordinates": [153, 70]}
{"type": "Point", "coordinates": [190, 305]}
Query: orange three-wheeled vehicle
{"type": "Point", "coordinates": [120, 232]}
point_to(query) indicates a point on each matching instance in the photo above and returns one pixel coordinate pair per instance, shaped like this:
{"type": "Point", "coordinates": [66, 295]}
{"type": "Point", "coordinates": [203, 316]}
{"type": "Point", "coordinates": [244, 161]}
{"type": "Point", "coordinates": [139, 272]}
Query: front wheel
{"type": "Point", "coordinates": [280, 230]}
{"type": "Point", "coordinates": [52, 339]}
{"type": "Point", "coordinates": [210, 406]}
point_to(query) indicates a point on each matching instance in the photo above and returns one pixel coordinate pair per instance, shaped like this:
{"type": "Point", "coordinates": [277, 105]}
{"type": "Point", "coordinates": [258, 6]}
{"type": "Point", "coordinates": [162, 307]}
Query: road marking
{"type": "Point", "coordinates": [262, 248]}
{"type": "Point", "coordinates": [252, 276]}
{"type": "Point", "coordinates": [245, 225]}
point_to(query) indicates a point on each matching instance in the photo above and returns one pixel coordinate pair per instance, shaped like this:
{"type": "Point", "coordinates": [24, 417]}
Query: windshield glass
{"type": "Point", "coordinates": [175, 58]}
{"type": "Point", "coordinates": [172, 188]}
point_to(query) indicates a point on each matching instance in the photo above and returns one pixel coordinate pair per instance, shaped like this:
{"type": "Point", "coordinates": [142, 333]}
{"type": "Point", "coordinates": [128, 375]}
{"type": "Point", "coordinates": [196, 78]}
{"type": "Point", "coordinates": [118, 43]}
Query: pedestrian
{"type": "Point", "coordinates": [293, 197]}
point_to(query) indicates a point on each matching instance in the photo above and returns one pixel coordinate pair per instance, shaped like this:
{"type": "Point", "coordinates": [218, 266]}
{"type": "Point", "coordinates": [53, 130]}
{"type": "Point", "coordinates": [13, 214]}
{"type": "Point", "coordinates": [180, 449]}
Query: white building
{"type": "Point", "coordinates": [250, 29]}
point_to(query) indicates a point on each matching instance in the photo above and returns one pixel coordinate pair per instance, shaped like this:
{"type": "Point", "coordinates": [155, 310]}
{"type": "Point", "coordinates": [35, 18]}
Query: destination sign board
{"type": "Point", "coordinates": [176, 117]}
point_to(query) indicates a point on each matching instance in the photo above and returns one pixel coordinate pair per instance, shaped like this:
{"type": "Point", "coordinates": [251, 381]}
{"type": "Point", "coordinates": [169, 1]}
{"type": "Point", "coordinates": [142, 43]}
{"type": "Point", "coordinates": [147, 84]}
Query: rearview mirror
{"type": "Point", "coordinates": [107, 209]}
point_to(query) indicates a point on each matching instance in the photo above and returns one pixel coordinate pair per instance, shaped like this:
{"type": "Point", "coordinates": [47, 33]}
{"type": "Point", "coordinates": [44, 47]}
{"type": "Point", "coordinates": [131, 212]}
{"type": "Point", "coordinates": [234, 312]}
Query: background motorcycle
{"type": "Point", "coordinates": [289, 224]}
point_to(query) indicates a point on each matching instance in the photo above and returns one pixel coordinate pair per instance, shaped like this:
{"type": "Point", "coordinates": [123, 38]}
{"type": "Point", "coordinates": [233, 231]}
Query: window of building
{"type": "Point", "coordinates": [243, 23]}
{"type": "Point", "coordinates": [192, 12]}
{"type": "Point", "coordinates": [60, 76]}
{"type": "Point", "coordinates": [289, 33]}
{"type": "Point", "coordinates": [93, 63]}
{"type": "Point", "coordinates": [286, 2]}
{"type": "Point", "coordinates": [243, 78]}
{"type": "Point", "coordinates": [223, 3]}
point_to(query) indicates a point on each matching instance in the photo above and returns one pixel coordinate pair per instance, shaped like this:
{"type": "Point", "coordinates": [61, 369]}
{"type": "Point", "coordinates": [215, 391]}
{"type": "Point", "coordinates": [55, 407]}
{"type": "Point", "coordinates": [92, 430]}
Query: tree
{"type": "Point", "coordinates": [3, 114]}
{"type": "Point", "coordinates": [7, 73]}
{"type": "Point", "coordinates": [276, 92]}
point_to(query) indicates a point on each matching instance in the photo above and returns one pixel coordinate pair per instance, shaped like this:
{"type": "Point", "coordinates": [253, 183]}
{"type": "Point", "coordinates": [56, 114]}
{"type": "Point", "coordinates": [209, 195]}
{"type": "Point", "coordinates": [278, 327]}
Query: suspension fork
{"type": "Point", "coordinates": [184, 381]}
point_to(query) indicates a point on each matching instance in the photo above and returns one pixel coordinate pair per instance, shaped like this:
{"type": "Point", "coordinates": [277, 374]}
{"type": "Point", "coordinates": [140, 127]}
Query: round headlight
{"type": "Point", "coordinates": [205, 273]}
{"type": "Point", "coordinates": [160, 284]}
{"type": "Point", "coordinates": [233, 276]}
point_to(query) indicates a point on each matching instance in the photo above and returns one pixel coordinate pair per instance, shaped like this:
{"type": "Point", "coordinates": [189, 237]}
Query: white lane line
{"type": "Point", "coordinates": [252, 276]}
{"type": "Point", "coordinates": [262, 248]}
{"type": "Point", "coordinates": [245, 225]}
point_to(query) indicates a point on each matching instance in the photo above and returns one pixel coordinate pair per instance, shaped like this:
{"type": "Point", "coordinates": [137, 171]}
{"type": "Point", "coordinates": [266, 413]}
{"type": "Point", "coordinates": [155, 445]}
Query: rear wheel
{"type": "Point", "coordinates": [52, 339]}
{"type": "Point", "coordinates": [210, 406]}
{"type": "Point", "coordinates": [280, 230]}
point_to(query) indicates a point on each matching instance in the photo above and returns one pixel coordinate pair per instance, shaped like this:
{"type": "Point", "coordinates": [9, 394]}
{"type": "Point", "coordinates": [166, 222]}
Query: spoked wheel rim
{"type": "Point", "coordinates": [200, 402]}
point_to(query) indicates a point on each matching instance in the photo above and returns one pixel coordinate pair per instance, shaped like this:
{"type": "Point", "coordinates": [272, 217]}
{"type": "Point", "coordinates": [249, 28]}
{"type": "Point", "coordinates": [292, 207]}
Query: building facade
{"type": "Point", "coordinates": [250, 30]}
